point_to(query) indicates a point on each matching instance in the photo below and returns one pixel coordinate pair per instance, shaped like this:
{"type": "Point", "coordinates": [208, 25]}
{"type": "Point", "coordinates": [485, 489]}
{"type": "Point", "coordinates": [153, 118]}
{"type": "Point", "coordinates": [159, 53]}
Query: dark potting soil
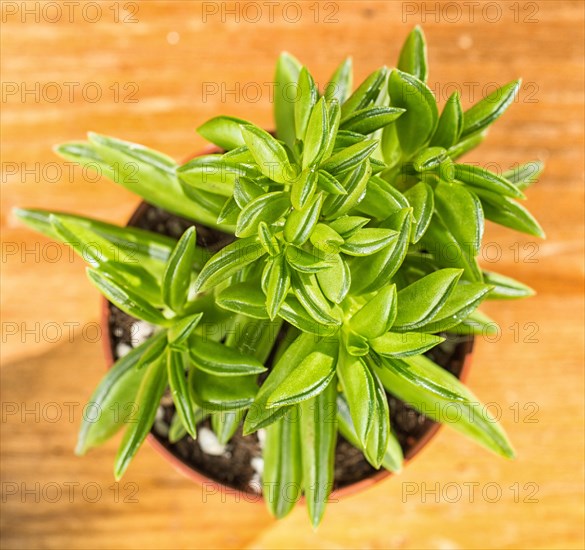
{"type": "Point", "coordinates": [234, 465]}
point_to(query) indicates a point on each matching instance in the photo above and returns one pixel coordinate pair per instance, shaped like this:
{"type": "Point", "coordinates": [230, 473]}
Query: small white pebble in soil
{"type": "Point", "coordinates": [261, 433]}
{"type": "Point", "coordinates": [209, 443]}
{"type": "Point", "coordinates": [140, 331]}
{"type": "Point", "coordinates": [122, 349]}
{"type": "Point", "coordinates": [255, 483]}
{"type": "Point", "coordinates": [118, 331]}
{"type": "Point", "coordinates": [258, 464]}
{"type": "Point", "coordinates": [160, 413]}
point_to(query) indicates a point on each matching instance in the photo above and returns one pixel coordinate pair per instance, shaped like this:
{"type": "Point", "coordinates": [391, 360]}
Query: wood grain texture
{"type": "Point", "coordinates": [181, 55]}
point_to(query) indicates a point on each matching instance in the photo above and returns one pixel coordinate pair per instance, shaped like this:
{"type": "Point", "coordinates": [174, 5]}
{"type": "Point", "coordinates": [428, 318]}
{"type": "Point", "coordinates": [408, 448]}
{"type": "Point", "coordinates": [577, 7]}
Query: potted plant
{"type": "Point", "coordinates": [290, 289]}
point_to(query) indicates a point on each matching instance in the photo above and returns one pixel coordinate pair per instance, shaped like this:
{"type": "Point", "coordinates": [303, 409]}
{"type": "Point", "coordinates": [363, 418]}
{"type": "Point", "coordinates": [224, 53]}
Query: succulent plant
{"type": "Point", "coordinates": [356, 233]}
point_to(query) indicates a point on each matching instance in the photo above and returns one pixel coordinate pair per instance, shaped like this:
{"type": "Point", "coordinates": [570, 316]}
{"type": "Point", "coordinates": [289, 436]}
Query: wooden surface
{"type": "Point", "coordinates": [172, 54]}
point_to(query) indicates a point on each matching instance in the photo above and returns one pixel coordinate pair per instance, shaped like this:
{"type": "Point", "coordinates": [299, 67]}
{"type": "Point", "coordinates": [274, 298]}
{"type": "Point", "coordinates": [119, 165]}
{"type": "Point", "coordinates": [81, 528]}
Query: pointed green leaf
{"type": "Point", "coordinates": [303, 188]}
{"type": "Point", "coordinates": [245, 298]}
{"type": "Point", "coordinates": [336, 281]}
{"type": "Point", "coordinates": [300, 223]}
{"type": "Point", "coordinates": [413, 55]}
{"type": "Point", "coordinates": [278, 285]}
{"type": "Point", "coordinates": [339, 86]}
{"type": "Point", "coordinates": [177, 276]}
{"type": "Point", "coordinates": [393, 344]}
{"type": "Point", "coordinates": [270, 155]}
{"type": "Point", "coordinates": [286, 78]}
{"type": "Point", "coordinates": [220, 360]}
{"type": "Point", "coordinates": [505, 288]}
{"type": "Point", "coordinates": [419, 302]}
{"type": "Point", "coordinates": [307, 96]}
{"type": "Point", "coordinates": [366, 121]}
{"type": "Point", "coordinates": [368, 240]}
{"type": "Point", "coordinates": [450, 123]}
{"type": "Point", "coordinates": [224, 131]}
{"type": "Point", "coordinates": [417, 125]}
{"type": "Point", "coordinates": [366, 93]}
{"type": "Point", "coordinates": [227, 261]}
{"type": "Point", "coordinates": [349, 158]}
{"type": "Point", "coordinates": [267, 208]}
{"type": "Point", "coordinates": [378, 315]}
{"type": "Point", "coordinates": [486, 111]}
{"type": "Point", "coordinates": [482, 179]}
{"type": "Point", "coordinates": [180, 390]}
{"type": "Point", "coordinates": [152, 387]}
{"type": "Point", "coordinates": [282, 475]}
{"type": "Point", "coordinates": [421, 198]}
{"type": "Point", "coordinates": [319, 435]}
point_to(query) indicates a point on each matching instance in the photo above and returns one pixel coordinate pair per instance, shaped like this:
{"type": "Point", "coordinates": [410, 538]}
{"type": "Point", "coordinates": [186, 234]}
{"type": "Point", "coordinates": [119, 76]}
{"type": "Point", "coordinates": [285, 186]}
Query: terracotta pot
{"type": "Point", "coordinates": [249, 496]}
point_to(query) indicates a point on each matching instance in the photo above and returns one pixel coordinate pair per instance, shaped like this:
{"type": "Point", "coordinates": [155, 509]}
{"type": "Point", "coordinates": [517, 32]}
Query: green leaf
{"type": "Point", "coordinates": [310, 377]}
{"type": "Point", "coordinates": [346, 226]}
{"type": "Point", "coordinates": [268, 240]}
{"type": "Point", "coordinates": [300, 223]}
{"type": "Point", "coordinates": [152, 387]}
{"type": "Point", "coordinates": [310, 295]}
{"type": "Point", "coordinates": [114, 400]}
{"type": "Point", "coordinates": [358, 387]}
{"type": "Point", "coordinates": [326, 239]}
{"type": "Point", "coordinates": [463, 412]}
{"type": "Point", "coordinates": [450, 123]}
{"type": "Point", "coordinates": [374, 272]}
{"type": "Point", "coordinates": [224, 131]}
{"type": "Point", "coordinates": [149, 174]}
{"type": "Point", "coordinates": [393, 344]}
{"type": "Point", "coordinates": [278, 285]}
{"type": "Point", "coordinates": [282, 475]}
{"type": "Point", "coordinates": [221, 393]}
{"type": "Point", "coordinates": [417, 125]}
{"type": "Point", "coordinates": [155, 347]}
{"type": "Point", "coordinates": [215, 174]}
{"type": "Point", "coordinates": [368, 240]}
{"type": "Point", "coordinates": [464, 299]}
{"type": "Point", "coordinates": [339, 86]}
{"type": "Point", "coordinates": [421, 198]}
{"type": "Point", "coordinates": [413, 55]}
{"type": "Point", "coordinates": [486, 111]}
{"type": "Point", "coordinates": [345, 138]}
{"type": "Point", "coordinates": [307, 96]}
{"type": "Point", "coordinates": [330, 184]}
{"type": "Point", "coordinates": [525, 175]}
{"type": "Point", "coordinates": [246, 190]}
{"type": "Point", "coordinates": [225, 424]}
{"type": "Point", "coordinates": [366, 93]}
{"type": "Point", "coordinates": [393, 457]}
{"type": "Point", "coordinates": [245, 298]}
{"type": "Point", "coordinates": [177, 375]}
{"type": "Point", "coordinates": [179, 333]}
{"type": "Point", "coordinates": [505, 288]}
{"type": "Point", "coordinates": [381, 199]}
{"type": "Point", "coordinates": [220, 360]}
{"type": "Point", "coordinates": [335, 281]}
{"type": "Point", "coordinates": [448, 251]}
{"type": "Point", "coordinates": [429, 159]}
{"type": "Point", "coordinates": [286, 78]}
{"type": "Point", "coordinates": [509, 213]}
{"type": "Point", "coordinates": [305, 261]}
{"type": "Point", "coordinates": [461, 211]}
{"type": "Point", "coordinates": [294, 313]}
{"type": "Point", "coordinates": [303, 188]}
{"type": "Point", "coordinates": [334, 118]}
{"type": "Point", "coordinates": [270, 155]}
{"type": "Point", "coordinates": [419, 302]}
{"type": "Point", "coordinates": [177, 276]}
{"type": "Point", "coordinates": [376, 316]}
{"type": "Point", "coordinates": [317, 135]}
{"type": "Point", "coordinates": [366, 121]}
{"type": "Point", "coordinates": [482, 179]}
{"type": "Point", "coordinates": [267, 208]}
{"type": "Point", "coordinates": [379, 433]}
{"type": "Point", "coordinates": [355, 184]}
{"type": "Point", "coordinates": [349, 158]}
{"type": "Point", "coordinates": [466, 144]}
{"type": "Point", "coordinates": [227, 261]}
{"type": "Point", "coordinates": [259, 415]}
{"type": "Point", "coordinates": [319, 435]}
{"type": "Point", "coordinates": [126, 299]}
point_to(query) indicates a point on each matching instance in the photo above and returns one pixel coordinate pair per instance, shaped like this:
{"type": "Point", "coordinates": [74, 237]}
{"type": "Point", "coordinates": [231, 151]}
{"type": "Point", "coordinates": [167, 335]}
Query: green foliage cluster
{"type": "Point", "coordinates": [356, 230]}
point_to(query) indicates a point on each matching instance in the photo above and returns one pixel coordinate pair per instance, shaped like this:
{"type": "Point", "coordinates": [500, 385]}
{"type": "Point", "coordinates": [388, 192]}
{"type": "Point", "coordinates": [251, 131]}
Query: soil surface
{"type": "Point", "coordinates": [236, 465]}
